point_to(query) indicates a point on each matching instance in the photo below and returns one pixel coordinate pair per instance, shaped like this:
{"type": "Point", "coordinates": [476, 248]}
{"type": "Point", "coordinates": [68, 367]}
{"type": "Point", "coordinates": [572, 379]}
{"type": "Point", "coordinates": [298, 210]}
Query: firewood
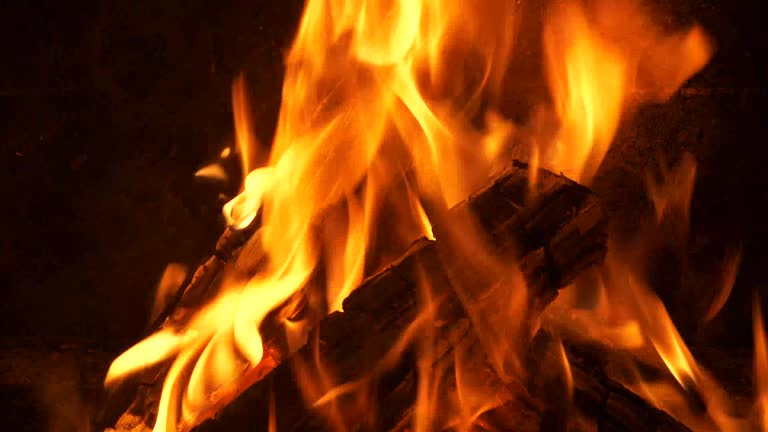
{"type": "Point", "coordinates": [553, 237]}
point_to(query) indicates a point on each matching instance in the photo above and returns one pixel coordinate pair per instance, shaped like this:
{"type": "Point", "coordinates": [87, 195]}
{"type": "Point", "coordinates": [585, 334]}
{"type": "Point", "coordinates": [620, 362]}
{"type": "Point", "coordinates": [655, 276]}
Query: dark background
{"type": "Point", "coordinates": [108, 108]}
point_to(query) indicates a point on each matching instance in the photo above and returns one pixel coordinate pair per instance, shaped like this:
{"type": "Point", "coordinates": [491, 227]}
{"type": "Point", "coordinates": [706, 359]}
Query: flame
{"type": "Point", "coordinates": [590, 310]}
{"type": "Point", "coordinates": [359, 136]}
{"type": "Point", "coordinates": [245, 137]}
{"type": "Point", "coordinates": [597, 59]}
{"type": "Point", "coordinates": [663, 334]}
{"type": "Point", "coordinates": [589, 80]}
{"type": "Point", "coordinates": [170, 282]}
{"type": "Point", "coordinates": [675, 192]}
{"type": "Point", "coordinates": [567, 369]}
{"type": "Point", "coordinates": [391, 114]}
{"type": "Point", "coordinates": [212, 172]}
{"type": "Point", "coordinates": [761, 364]}
{"type": "Point", "coordinates": [215, 171]}
{"type": "Point", "coordinates": [323, 392]}
{"type": "Point", "coordinates": [626, 313]}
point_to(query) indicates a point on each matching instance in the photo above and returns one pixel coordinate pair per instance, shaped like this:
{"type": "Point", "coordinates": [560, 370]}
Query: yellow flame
{"type": "Point", "coordinates": [245, 138]}
{"type": "Point", "coordinates": [627, 314]}
{"type": "Point", "coordinates": [589, 81]}
{"type": "Point", "coordinates": [566, 369]}
{"type": "Point", "coordinates": [242, 209]}
{"type": "Point", "coordinates": [151, 350]}
{"type": "Point", "coordinates": [596, 58]}
{"type": "Point", "coordinates": [213, 172]}
{"type": "Point", "coordinates": [380, 109]}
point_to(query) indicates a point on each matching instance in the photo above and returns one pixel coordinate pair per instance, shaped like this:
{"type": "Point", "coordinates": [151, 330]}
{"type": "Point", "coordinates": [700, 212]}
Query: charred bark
{"type": "Point", "coordinates": [552, 236]}
{"type": "Point", "coordinates": [594, 402]}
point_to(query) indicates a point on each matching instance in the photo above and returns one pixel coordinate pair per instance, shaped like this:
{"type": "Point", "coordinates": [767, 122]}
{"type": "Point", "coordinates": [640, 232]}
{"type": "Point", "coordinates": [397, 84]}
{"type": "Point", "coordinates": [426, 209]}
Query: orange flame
{"type": "Point", "coordinates": [625, 301]}
{"type": "Point", "coordinates": [169, 284]}
{"type": "Point", "coordinates": [378, 120]}
{"type": "Point", "coordinates": [675, 192]}
{"type": "Point", "coordinates": [730, 271]}
{"type": "Point", "coordinates": [761, 364]}
{"type": "Point", "coordinates": [596, 59]}
{"type": "Point", "coordinates": [245, 138]}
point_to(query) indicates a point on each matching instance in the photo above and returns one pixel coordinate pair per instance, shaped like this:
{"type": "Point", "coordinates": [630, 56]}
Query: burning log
{"type": "Point", "coordinates": [598, 403]}
{"type": "Point", "coordinates": [552, 250]}
{"type": "Point", "coordinates": [611, 406]}
{"type": "Point", "coordinates": [500, 256]}
{"type": "Point", "coordinates": [553, 236]}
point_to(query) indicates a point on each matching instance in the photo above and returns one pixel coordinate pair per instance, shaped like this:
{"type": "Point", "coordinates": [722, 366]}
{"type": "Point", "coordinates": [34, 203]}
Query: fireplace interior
{"type": "Point", "coordinates": [111, 108]}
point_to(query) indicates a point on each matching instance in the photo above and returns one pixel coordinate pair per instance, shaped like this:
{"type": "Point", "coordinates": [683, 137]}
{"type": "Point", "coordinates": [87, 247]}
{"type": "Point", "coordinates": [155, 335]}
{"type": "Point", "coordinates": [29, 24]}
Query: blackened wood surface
{"type": "Point", "coordinates": [554, 237]}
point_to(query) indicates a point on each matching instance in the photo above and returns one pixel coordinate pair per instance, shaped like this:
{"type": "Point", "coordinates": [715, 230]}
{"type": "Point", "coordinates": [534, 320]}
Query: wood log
{"type": "Point", "coordinates": [609, 404]}
{"type": "Point", "coordinates": [546, 234]}
{"type": "Point", "coordinates": [598, 403]}
{"type": "Point", "coordinates": [553, 237]}
{"type": "Point", "coordinates": [385, 304]}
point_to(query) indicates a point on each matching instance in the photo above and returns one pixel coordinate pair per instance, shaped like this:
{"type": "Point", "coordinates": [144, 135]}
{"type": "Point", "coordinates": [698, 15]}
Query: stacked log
{"type": "Point", "coordinates": [553, 230]}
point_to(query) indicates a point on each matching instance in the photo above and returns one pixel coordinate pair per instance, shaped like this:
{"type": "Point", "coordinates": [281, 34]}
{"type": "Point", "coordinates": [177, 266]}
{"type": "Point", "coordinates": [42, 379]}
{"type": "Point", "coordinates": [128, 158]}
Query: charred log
{"type": "Point", "coordinates": [609, 405]}
{"type": "Point", "coordinates": [553, 237]}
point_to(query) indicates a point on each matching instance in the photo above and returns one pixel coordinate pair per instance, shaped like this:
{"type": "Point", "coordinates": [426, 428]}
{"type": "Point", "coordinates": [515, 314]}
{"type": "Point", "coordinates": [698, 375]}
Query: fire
{"type": "Point", "coordinates": [628, 316]}
{"type": "Point", "coordinates": [360, 135]}
{"type": "Point", "coordinates": [761, 365]}
{"type": "Point", "coordinates": [390, 115]}
{"type": "Point", "coordinates": [599, 61]}
{"type": "Point", "coordinates": [589, 80]}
